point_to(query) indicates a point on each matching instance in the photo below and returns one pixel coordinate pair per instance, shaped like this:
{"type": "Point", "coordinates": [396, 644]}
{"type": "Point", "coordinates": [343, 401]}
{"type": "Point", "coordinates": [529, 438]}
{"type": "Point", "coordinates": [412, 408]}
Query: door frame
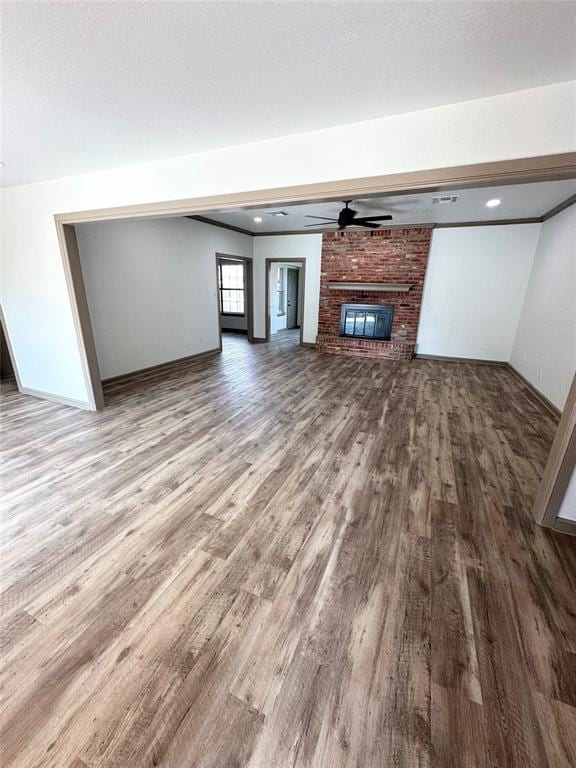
{"type": "Point", "coordinates": [10, 349]}
{"type": "Point", "coordinates": [559, 468]}
{"type": "Point", "coordinates": [248, 293]}
{"type": "Point", "coordinates": [301, 287]}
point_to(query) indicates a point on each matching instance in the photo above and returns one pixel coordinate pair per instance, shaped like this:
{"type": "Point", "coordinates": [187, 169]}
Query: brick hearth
{"type": "Point", "coordinates": [381, 256]}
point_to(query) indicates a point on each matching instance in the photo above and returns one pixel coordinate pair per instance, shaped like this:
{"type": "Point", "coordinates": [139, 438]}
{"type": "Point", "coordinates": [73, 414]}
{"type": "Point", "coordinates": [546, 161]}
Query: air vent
{"type": "Point", "coordinates": [445, 200]}
{"type": "Point", "coordinates": [278, 213]}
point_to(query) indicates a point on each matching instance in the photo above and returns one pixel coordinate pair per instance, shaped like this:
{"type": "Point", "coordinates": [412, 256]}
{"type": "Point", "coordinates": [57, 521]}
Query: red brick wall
{"type": "Point", "coordinates": [379, 256]}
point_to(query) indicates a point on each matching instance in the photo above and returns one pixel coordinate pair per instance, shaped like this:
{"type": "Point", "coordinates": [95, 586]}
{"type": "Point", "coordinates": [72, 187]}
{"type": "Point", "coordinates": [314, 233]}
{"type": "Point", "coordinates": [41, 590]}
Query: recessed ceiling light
{"type": "Point", "coordinates": [257, 219]}
{"type": "Point", "coordinates": [493, 203]}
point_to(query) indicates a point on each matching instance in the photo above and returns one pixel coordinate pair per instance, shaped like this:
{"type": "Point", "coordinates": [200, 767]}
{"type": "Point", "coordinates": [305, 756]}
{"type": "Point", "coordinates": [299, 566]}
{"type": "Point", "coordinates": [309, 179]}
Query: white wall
{"type": "Point", "coordinates": [474, 289]}
{"type": "Point", "coordinates": [151, 289]}
{"type": "Point", "coordinates": [568, 506]}
{"type": "Point", "coordinates": [33, 291]}
{"type": "Point", "coordinates": [544, 349]}
{"type": "Point", "coordinates": [287, 247]}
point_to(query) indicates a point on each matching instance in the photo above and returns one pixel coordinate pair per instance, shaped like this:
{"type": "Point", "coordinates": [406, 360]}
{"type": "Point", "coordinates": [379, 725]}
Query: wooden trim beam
{"type": "Point", "coordinates": [521, 171]}
{"type": "Point", "coordinates": [77, 293]}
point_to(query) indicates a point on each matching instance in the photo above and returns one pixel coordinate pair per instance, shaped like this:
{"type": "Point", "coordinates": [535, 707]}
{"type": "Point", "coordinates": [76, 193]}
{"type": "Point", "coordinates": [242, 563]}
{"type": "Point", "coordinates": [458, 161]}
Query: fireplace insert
{"type": "Point", "coordinates": [366, 321]}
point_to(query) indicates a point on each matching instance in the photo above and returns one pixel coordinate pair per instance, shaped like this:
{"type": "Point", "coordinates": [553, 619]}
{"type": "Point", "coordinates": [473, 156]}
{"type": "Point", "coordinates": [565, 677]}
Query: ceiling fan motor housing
{"type": "Point", "coordinates": [346, 216]}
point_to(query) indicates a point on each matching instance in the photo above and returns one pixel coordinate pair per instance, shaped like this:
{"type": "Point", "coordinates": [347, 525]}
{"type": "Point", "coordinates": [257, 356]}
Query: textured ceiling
{"type": "Point", "coordinates": [518, 201]}
{"type": "Point", "coordinates": [93, 85]}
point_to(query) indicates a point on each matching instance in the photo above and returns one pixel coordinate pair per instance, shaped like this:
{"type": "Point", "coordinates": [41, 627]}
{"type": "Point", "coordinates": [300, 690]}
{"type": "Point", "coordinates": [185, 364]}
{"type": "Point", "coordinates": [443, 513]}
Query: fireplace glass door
{"type": "Point", "coordinates": [366, 321]}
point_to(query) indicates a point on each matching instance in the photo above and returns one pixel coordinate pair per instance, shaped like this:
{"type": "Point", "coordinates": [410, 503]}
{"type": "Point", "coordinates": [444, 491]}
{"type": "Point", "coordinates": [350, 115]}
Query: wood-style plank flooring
{"type": "Point", "coordinates": [276, 558]}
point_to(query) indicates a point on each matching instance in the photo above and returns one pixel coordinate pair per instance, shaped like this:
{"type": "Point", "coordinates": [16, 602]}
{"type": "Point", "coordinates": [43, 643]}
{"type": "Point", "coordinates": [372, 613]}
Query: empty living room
{"type": "Point", "coordinates": [288, 384]}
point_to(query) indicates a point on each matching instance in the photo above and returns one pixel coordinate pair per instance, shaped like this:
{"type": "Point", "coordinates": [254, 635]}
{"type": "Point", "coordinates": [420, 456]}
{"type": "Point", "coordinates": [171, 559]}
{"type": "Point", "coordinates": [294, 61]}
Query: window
{"type": "Point", "coordinates": [281, 291]}
{"type": "Point", "coordinates": [231, 287]}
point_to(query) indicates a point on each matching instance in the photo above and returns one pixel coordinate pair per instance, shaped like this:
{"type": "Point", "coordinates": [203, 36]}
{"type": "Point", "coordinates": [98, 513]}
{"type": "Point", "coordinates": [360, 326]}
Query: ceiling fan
{"type": "Point", "coordinates": [348, 217]}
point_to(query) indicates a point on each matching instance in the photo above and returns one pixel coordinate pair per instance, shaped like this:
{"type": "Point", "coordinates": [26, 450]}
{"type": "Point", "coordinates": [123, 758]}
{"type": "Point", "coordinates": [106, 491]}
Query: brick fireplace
{"type": "Point", "coordinates": [365, 261]}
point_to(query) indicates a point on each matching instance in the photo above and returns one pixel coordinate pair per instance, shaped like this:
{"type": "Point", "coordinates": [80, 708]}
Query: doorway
{"type": "Point", "coordinates": [285, 292]}
{"type": "Point", "coordinates": [292, 280]}
{"type": "Point", "coordinates": [234, 277]}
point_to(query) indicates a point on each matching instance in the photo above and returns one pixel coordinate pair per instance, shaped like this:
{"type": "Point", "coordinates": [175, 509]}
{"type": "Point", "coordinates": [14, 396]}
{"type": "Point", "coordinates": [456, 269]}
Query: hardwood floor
{"type": "Point", "coordinates": [277, 558]}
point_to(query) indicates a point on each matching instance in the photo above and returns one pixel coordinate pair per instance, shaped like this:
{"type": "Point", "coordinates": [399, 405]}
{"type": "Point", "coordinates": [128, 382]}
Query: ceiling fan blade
{"type": "Point", "coordinates": [363, 219]}
{"type": "Point", "coordinates": [369, 224]}
{"type": "Point", "coordinates": [325, 218]}
{"type": "Point", "coordinates": [319, 224]}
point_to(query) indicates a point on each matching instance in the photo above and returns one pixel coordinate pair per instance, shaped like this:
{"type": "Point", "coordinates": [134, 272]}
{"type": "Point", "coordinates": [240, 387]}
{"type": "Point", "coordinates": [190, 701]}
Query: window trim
{"type": "Point", "coordinates": [221, 288]}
